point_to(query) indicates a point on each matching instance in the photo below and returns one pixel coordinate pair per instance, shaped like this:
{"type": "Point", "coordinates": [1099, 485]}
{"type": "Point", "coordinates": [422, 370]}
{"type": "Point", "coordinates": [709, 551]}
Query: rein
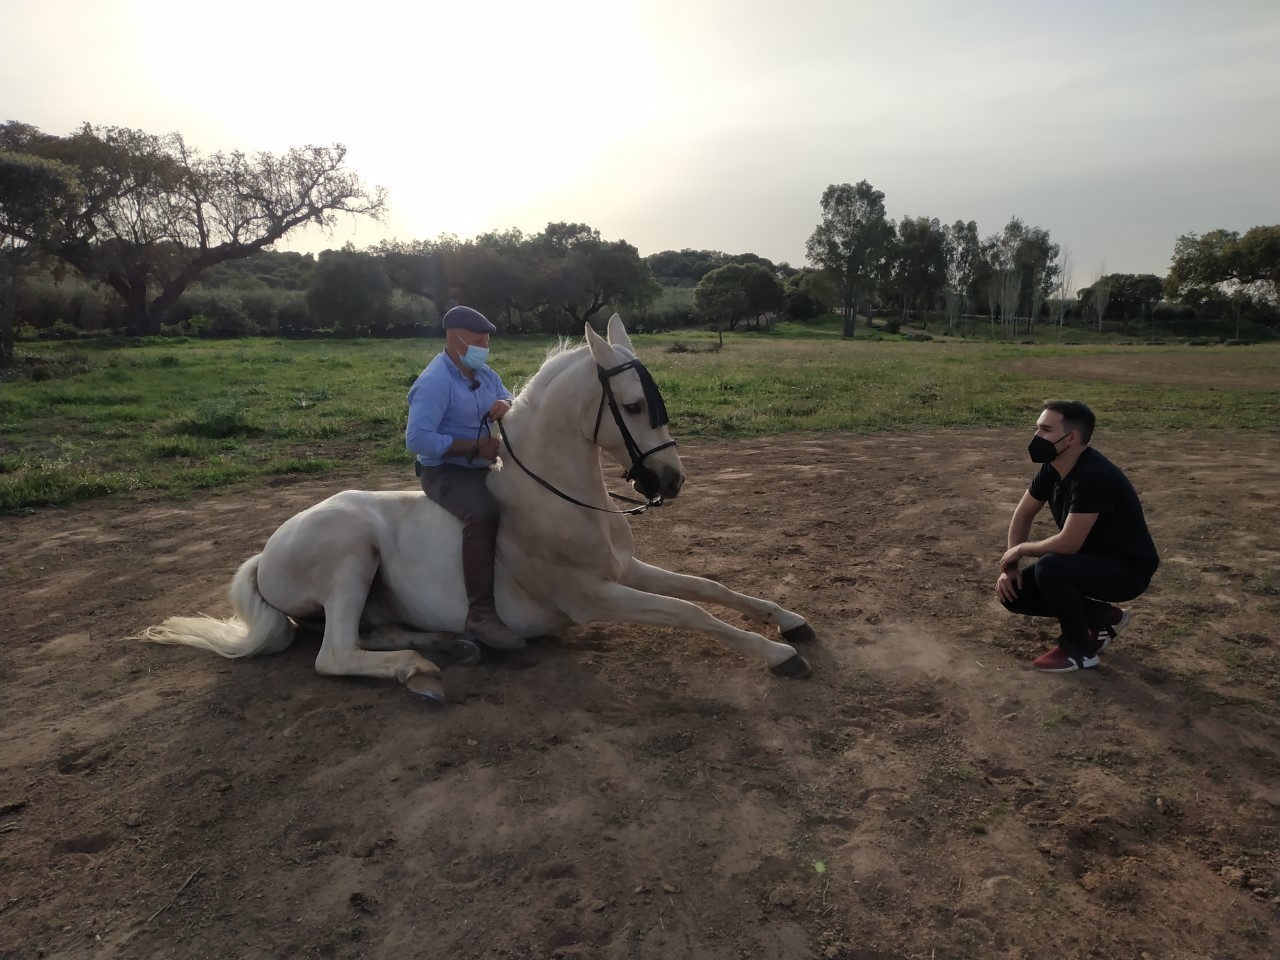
{"type": "Point", "coordinates": [657, 418]}
{"type": "Point", "coordinates": [643, 504]}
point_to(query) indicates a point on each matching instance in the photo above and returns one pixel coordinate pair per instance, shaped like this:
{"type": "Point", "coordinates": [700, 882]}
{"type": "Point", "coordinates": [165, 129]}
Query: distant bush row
{"type": "Point", "coordinates": [70, 308]}
{"type": "Point", "coordinates": [66, 309]}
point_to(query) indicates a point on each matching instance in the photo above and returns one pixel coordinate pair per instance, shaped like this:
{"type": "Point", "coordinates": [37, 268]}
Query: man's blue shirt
{"type": "Point", "coordinates": [444, 408]}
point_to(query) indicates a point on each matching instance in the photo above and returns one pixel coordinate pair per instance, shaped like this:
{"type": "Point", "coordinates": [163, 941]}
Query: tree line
{"type": "Point", "coordinates": [112, 228]}
{"type": "Point", "coordinates": [1020, 275]}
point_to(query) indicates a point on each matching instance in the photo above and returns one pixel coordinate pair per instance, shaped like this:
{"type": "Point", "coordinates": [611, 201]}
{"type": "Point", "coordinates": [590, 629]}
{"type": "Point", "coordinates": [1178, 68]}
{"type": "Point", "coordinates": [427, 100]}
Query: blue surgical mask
{"type": "Point", "coordinates": [476, 357]}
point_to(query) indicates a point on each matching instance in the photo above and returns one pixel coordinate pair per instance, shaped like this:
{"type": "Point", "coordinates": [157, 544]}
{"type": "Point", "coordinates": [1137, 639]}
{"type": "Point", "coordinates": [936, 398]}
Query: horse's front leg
{"type": "Point", "coordinates": [619, 603]}
{"type": "Point", "coordinates": [651, 579]}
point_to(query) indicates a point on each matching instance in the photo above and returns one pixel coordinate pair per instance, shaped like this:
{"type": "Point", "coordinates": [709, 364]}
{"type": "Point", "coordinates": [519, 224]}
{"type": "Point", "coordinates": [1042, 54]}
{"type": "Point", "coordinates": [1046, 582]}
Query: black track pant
{"type": "Point", "coordinates": [1078, 589]}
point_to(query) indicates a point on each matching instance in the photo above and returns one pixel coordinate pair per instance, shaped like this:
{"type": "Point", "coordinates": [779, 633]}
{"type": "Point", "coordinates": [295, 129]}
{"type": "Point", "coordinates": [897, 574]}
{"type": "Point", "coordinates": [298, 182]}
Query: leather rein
{"type": "Point", "coordinates": [657, 417]}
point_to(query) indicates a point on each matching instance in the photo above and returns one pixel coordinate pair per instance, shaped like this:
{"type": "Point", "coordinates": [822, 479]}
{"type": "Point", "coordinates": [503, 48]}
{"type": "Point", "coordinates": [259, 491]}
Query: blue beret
{"type": "Point", "coordinates": [464, 318]}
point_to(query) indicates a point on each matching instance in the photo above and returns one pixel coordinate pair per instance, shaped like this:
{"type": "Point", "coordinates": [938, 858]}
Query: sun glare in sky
{"type": "Point", "coordinates": [473, 110]}
{"type": "Point", "coordinates": [711, 124]}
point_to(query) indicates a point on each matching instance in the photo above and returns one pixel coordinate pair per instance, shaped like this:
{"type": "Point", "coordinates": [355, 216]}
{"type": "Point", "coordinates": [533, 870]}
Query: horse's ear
{"type": "Point", "coordinates": [618, 334]}
{"type": "Point", "coordinates": [603, 353]}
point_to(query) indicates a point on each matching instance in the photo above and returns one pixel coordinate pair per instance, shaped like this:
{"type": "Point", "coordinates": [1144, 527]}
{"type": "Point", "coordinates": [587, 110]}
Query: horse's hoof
{"type": "Point", "coordinates": [793, 668]}
{"type": "Point", "coordinates": [463, 653]}
{"type": "Point", "coordinates": [801, 634]}
{"type": "Point", "coordinates": [427, 686]}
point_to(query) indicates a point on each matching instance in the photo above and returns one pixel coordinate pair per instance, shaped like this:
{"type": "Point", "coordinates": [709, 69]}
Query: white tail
{"type": "Point", "coordinates": [257, 627]}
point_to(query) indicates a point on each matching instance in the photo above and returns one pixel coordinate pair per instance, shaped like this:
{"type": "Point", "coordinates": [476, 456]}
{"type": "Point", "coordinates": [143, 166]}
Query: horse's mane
{"type": "Point", "coordinates": [559, 357]}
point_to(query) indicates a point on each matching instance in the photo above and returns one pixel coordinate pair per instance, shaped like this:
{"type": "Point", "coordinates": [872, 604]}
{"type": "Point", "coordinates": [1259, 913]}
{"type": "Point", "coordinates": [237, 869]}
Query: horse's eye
{"type": "Point", "coordinates": [633, 407]}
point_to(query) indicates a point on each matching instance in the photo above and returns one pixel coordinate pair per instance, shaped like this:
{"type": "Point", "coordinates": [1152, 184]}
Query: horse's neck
{"type": "Point", "coordinates": [551, 446]}
{"type": "Point", "coordinates": [548, 438]}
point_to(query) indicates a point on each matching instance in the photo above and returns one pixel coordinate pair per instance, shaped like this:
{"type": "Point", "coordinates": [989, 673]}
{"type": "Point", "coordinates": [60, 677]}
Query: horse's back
{"type": "Point", "coordinates": [343, 537]}
{"type": "Point", "coordinates": [373, 502]}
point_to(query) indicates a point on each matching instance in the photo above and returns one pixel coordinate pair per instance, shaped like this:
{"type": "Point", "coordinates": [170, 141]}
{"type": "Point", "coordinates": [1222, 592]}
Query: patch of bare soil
{"type": "Point", "coordinates": [1197, 368]}
{"type": "Point", "coordinates": [625, 792]}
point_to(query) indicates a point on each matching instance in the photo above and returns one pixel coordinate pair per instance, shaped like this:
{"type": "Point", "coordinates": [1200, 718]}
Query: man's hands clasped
{"type": "Point", "coordinates": [1010, 580]}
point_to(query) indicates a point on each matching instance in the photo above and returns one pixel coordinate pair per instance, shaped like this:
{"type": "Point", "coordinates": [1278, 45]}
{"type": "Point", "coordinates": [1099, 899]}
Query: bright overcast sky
{"type": "Point", "coordinates": [703, 123]}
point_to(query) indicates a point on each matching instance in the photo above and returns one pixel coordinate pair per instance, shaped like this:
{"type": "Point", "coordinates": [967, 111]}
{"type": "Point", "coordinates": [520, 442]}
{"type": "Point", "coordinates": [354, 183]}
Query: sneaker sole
{"type": "Point", "coordinates": [1088, 663]}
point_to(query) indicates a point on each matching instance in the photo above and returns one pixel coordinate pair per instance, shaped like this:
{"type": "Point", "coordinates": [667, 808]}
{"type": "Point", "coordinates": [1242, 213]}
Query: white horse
{"type": "Point", "coordinates": [383, 568]}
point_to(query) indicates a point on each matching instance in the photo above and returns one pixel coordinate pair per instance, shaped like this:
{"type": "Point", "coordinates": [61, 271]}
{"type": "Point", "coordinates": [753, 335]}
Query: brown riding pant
{"type": "Point", "coordinates": [461, 491]}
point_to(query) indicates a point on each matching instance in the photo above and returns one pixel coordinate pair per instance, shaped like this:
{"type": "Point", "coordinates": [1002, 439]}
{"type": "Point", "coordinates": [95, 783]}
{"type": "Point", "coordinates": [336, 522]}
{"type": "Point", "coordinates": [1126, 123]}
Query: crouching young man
{"type": "Point", "coordinates": [1101, 555]}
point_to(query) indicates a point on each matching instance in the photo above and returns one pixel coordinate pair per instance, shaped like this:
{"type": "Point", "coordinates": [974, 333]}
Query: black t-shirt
{"type": "Point", "coordinates": [1096, 485]}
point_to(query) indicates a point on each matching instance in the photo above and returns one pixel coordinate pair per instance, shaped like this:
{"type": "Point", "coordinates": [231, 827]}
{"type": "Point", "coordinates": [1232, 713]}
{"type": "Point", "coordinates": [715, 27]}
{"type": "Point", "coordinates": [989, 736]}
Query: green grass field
{"type": "Point", "coordinates": [179, 415]}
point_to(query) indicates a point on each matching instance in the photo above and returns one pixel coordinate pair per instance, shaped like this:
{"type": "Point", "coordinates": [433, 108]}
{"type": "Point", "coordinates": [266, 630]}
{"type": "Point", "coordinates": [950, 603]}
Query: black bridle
{"type": "Point", "coordinates": [657, 418]}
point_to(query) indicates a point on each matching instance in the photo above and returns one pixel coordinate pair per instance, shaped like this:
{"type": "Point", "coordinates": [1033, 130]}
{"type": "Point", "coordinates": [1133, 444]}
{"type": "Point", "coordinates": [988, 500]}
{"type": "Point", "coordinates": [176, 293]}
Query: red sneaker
{"type": "Point", "coordinates": [1056, 661]}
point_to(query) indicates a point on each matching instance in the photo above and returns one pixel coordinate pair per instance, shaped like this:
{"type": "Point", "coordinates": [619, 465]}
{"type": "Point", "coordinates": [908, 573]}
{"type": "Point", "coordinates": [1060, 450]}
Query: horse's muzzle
{"type": "Point", "coordinates": [665, 482]}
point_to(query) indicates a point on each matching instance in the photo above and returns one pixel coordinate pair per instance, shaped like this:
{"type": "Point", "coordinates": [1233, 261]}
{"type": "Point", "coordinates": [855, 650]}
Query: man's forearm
{"type": "Point", "coordinates": [463, 447]}
{"type": "Point", "coordinates": [1058, 543]}
{"type": "Point", "coordinates": [1019, 530]}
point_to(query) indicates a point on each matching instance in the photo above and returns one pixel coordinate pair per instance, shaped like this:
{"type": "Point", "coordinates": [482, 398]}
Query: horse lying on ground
{"type": "Point", "coordinates": [383, 568]}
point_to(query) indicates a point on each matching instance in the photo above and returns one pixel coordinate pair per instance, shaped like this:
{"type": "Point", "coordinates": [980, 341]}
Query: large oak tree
{"type": "Point", "coordinates": [735, 291]}
{"type": "Point", "coordinates": [1201, 262]}
{"type": "Point", "coordinates": [36, 196]}
{"type": "Point", "coordinates": [156, 213]}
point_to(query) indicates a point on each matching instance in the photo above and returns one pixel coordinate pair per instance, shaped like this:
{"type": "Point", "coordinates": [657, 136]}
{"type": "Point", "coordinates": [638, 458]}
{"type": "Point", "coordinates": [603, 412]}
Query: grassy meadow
{"type": "Point", "coordinates": [174, 416]}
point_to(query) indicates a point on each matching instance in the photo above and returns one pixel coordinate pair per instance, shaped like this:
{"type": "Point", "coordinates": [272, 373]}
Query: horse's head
{"type": "Point", "coordinates": [635, 431]}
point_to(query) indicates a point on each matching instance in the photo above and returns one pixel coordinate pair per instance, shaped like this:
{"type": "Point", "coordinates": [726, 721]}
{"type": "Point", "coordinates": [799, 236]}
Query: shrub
{"type": "Point", "coordinates": [217, 418]}
{"type": "Point", "coordinates": [260, 306]}
{"type": "Point", "coordinates": [60, 330]}
{"type": "Point", "coordinates": [409, 315]}
{"type": "Point", "coordinates": [95, 308]}
{"type": "Point", "coordinates": [293, 317]}
{"type": "Point", "coordinates": [673, 317]}
{"type": "Point", "coordinates": [1164, 313]}
{"type": "Point", "coordinates": [799, 305]}
{"type": "Point", "coordinates": [41, 303]}
{"type": "Point", "coordinates": [233, 326]}
{"type": "Point", "coordinates": [222, 312]}
{"type": "Point", "coordinates": [349, 292]}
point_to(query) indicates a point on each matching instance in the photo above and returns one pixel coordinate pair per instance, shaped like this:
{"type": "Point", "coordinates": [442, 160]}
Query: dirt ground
{"type": "Point", "coordinates": [623, 792]}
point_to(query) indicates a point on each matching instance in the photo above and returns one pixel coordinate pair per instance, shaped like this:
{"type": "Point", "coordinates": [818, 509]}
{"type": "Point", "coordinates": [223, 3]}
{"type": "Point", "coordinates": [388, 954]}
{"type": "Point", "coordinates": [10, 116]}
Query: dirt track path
{"type": "Point", "coordinates": [630, 793]}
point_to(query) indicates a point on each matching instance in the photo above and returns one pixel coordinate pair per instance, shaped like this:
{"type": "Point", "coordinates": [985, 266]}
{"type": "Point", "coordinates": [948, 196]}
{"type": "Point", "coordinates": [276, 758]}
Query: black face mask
{"type": "Point", "coordinates": [1043, 450]}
